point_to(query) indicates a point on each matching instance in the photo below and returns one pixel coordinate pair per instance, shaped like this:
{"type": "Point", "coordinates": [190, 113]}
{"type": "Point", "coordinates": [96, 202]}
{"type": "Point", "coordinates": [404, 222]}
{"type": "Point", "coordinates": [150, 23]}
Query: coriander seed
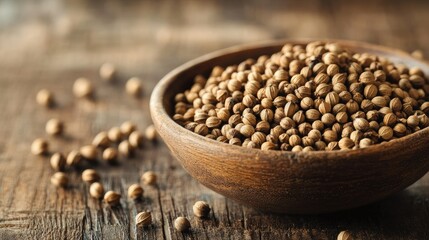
{"type": "Point", "coordinates": [149, 178]}
{"type": "Point", "coordinates": [344, 235]}
{"type": "Point", "coordinates": [385, 132]}
{"type": "Point", "coordinates": [89, 152]}
{"type": "Point", "coordinates": [112, 198]}
{"type": "Point", "coordinates": [58, 161]}
{"type": "Point", "coordinates": [96, 190]}
{"type": "Point", "coordinates": [136, 139]}
{"type": "Point", "coordinates": [73, 158]}
{"type": "Point", "coordinates": [125, 148]}
{"type": "Point", "coordinates": [45, 98]}
{"type": "Point", "coordinates": [90, 176]}
{"type": "Point", "coordinates": [135, 191]}
{"type": "Point", "coordinates": [182, 224]}
{"type": "Point", "coordinates": [54, 127]}
{"type": "Point", "coordinates": [134, 87]}
{"type": "Point", "coordinates": [201, 209]}
{"type": "Point", "coordinates": [143, 219]}
{"type": "Point", "coordinates": [110, 155]}
{"type": "Point", "coordinates": [82, 88]}
{"type": "Point", "coordinates": [114, 134]}
{"type": "Point", "coordinates": [127, 128]}
{"type": "Point", "coordinates": [361, 124]}
{"type": "Point", "coordinates": [101, 140]}
{"type": "Point", "coordinates": [150, 133]}
{"type": "Point", "coordinates": [39, 147]}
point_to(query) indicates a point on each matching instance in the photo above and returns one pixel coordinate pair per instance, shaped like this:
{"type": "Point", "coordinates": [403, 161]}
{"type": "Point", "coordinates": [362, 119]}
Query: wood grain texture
{"type": "Point", "coordinates": [49, 44]}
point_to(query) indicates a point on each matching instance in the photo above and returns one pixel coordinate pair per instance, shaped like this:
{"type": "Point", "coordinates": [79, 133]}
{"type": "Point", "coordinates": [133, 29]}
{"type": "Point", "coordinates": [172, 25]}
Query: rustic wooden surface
{"type": "Point", "coordinates": [48, 44]}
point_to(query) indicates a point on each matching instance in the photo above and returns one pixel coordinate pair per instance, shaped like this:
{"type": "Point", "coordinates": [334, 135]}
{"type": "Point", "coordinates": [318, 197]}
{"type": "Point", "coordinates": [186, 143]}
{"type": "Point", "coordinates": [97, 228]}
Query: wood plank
{"type": "Point", "coordinates": [49, 45]}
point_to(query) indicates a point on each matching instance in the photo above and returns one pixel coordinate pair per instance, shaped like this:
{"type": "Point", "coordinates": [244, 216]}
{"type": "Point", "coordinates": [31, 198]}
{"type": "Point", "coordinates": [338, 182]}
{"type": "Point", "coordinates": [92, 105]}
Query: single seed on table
{"type": "Point", "coordinates": [96, 190]}
{"type": "Point", "coordinates": [112, 198]}
{"type": "Point", "coordinates": [58, 161]}
{"type": "Point", "coordinates": [143, 219]}
{"type": "Point", "coordinates": [114, 134]}
{"type": "Point", "coordinates": [125, 148]}
{"type": "Point", "coordinates": [101, 140]}
{"type": "Point", "coordinates": [136, 139]}
{"type": "Point", "coordinates": [149, 178]}
{"type": "Point", "coordinates": [89, 152]}
{"type": "Point", "coordinates": [182, 224]}
{"type": "Point", "coordinates": [110, 155]}
{"type": "Point", "coordinates": [82, 88]}
{"type": "Point", "coordinates": [90, 176]}
{"type": "Point", "coordinates": [135, 191]}
{"type": "Point", "coordinates": [201, 209]}
{"type": "Point", "coordinates": [107, 72]}
{"type": "Point", "coordinates": [127, 128]}
{"type": "Point", "coordinates": [150, 133]}
{"type": "Point", "coordinates": [39, 147]}
{"type": "Point", "coordinates": [344, 235]}
{"type": "Point", "coordinates": [45, 98]}
{"type": "Point", "coordinates": [134, 87]}
{"type": "Point", "coordinates": [54, 127]}
{"type": "Point", "coordinates": [59, 179]}
{"type": "Point", "coordinates": [73, 158]}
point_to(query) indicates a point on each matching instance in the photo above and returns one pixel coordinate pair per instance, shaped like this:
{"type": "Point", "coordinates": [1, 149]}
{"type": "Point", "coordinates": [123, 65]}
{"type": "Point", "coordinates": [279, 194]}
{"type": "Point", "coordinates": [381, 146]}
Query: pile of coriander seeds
{"type": "Point", "coordinates": [313, 97]}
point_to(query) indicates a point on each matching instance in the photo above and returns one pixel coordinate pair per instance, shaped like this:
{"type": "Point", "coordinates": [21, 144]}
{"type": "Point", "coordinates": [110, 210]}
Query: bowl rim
{"type": "Point", "coordinates": [157, 99]}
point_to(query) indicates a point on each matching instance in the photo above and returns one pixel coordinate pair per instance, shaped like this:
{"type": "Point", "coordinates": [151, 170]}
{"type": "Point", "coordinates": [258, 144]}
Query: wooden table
{"type": "Point", "coordinates": [49, 44]}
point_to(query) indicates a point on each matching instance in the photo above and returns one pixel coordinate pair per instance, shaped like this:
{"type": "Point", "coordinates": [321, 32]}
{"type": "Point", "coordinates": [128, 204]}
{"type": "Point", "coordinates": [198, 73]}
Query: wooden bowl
{"type": "Point", "coordinates": [287, 182]}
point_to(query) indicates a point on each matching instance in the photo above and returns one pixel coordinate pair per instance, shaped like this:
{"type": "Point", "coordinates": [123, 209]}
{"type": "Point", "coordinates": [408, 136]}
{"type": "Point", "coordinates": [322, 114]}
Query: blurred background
{"type": "Point", "coordinates": [149, 38]}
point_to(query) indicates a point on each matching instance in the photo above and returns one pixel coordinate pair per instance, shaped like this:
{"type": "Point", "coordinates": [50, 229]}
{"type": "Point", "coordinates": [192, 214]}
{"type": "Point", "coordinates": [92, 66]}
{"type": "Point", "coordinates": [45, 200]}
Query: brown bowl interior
{"type": "Point", "coordinates": [287, 182]}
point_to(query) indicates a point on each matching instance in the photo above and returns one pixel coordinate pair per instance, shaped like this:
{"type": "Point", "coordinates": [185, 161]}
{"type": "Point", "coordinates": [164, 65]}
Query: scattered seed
{"type": "Point", "coordinates": [201, 209]}
{"type": "Point", "coordinates": [59, 179]}
{"type": "Point", "coordinates": [89, 152]}
{"type": "Point", "coordinates": [45, 98]}
{"type": "Point", "coordinates": [54, 127]}
{"type": "Point", "coordinates": [110, 155]}
{"type": "Point", "coordinates": [112, 198]}
{"type": "Point", "coordinates": [82, 88]}
{"type": "Point", "coordinates": [96, 190]}
{"type": "Point", "coordinates": [135, 191]}
{"type": "Point", "coordinates": [39, 147]}
{"type": "Point", "coordinates": [58, 162]}
{"type": "Point", "coordinates": [90, 176]}
{"type": "Point", "coordinates": [143, 219]}
{"type": "Point", "coordinates": [134, 87]}
{"type": "Point", "coordinates": [149, 178]}
{"type": "Point", "coordinates": [182, 224]}
{"type": "Point", "coordinates": [107, 72]}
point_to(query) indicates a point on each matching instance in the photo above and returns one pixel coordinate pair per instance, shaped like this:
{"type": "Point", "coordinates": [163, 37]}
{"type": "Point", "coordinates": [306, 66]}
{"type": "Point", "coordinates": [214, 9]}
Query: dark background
{"type": "Point", "coordinates": [49, 43]}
